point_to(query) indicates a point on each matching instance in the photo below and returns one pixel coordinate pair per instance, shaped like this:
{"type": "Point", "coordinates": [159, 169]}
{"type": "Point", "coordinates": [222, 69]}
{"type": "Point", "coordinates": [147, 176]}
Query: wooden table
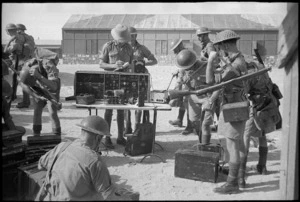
{"type": "Point", "coordinates": [147, 106]}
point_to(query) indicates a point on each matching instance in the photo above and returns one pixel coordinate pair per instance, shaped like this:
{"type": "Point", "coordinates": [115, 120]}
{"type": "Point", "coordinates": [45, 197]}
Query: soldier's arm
{"type": "Point", "coordinates": [150, 57]}
{"type": "Point", "coordinates": [210, 77]}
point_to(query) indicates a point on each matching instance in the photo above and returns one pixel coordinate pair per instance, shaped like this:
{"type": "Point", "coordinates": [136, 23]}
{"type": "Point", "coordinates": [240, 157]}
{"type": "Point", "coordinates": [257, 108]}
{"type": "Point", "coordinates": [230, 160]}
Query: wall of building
{"type": "Point", "coordinates": [80, 47]}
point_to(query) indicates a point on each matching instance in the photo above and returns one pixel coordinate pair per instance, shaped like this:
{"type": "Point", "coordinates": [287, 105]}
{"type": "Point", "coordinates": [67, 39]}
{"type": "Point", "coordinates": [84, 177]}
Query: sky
{"type": "Point", "coordinates": [44, 21]}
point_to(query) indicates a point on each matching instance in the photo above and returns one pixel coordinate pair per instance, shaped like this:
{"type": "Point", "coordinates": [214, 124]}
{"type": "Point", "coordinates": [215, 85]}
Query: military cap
{"type": "Point", "coordinates": [132, 30]}
{"type": "Point", "coordinates": [202, 30]}
{"type": "Point", "coordinates": [225, 36]}
{"type": "Point", "coordinates": [21, 26]}
{"type": "Point", "coordinates": [10, 26]}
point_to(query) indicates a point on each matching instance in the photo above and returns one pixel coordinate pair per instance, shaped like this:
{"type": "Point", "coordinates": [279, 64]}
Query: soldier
{"type": "Point", "coordinates": [29, 45]}
{"type": "Point", "coordinates": [193, 77]}
{"type": "Point", "coordinates": [45, 72]}
{"type": "Point", "coordinates": [114, 55]}
{"type": "Point", "coordinates": [176, 47]}
{"type": "Point", "coordinates": [208, 116]}
{"type": "Point", "coordinates": [79, 173]}
{"type": "Point", "coordinates": [139, 53]}
{"type": "Point", "coordinates": [14, 48]}
{"type": "Point", "coordinates": [262, 100]}
{"type": "Point", "coordinates": [233, 131]}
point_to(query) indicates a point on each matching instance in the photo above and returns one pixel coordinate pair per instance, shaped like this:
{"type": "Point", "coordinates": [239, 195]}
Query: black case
{"type": "Point", "coordinates": [140, 142]}
{"type": "Point", "coordinates": [197, 165]}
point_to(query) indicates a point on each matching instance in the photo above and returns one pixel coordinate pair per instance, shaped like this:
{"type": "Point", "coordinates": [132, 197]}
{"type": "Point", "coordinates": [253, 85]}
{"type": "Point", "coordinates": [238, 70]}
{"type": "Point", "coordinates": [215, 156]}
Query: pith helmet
{"type": "Point", "coordinates": [225, 36]}
{"type": "Point", "coordinates": [175, 43]}
{"type": "Point", "coordinates": [132, 30]}
{"type": "Point", "coordinates": [120, 33]}
{"type": "Point", "coordinates": [202, 30]}
{"type": "Point", "coordinates": [21, 26]}
{"type": "Point", "coordinates": [96, 125]}
{"type": "Point", "coordinates": [185, 59]}
{"type": "Point", "coordinates": [10, 26]}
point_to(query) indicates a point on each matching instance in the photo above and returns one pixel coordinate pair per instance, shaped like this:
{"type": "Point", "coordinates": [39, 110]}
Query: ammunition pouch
{"type": "Point", "coordinates": [237, 111]}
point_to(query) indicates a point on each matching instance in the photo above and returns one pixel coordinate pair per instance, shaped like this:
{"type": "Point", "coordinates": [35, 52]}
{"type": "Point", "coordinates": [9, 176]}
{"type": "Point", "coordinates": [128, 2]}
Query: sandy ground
{"type": "Point", "coordinates": [153, 179]}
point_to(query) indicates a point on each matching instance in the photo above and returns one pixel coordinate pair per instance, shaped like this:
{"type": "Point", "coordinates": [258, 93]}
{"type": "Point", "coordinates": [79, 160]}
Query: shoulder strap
{"type": "Point", "coordinates": [63, 148]}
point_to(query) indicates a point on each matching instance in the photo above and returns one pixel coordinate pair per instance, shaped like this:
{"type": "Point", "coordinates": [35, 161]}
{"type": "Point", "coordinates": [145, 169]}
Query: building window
{"type": "Point", "coordinates": [161, 47]}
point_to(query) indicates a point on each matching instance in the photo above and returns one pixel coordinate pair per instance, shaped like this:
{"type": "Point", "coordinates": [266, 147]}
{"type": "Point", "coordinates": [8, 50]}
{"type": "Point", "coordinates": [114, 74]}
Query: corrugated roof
{"type": "Point", "coordinates": [176, 21]}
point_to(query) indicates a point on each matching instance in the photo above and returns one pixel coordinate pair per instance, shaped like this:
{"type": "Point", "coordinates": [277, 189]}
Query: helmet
{"type": "Point", "coordinates": [175, 43]}
{"type": "Point", "coordinates": [95, 124]}
{"type": "Point", "coordinates": [10, 26]}
{"type": "Point", "coordinates": [202, 30]}
{"type": "Point", "coordinates": [132, 30]}
{"type": "Point", "coordinates": [21, 26]}
{"type": "Point", "coordinates": [225, 36]}
{"type": "Point", "coordinates": [185, 59]}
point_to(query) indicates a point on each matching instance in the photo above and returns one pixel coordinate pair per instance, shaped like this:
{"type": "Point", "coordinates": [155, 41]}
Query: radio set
{"type": "Point", "coordinates": [106, 86]}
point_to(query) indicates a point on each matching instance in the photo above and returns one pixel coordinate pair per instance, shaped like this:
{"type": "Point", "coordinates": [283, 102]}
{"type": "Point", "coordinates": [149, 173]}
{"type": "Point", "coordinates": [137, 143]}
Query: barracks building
{"type": "Point", "coordinates": [83, 36]}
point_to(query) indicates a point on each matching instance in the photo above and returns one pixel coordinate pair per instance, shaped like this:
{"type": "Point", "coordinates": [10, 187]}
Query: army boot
{"type": "Point", "coordinates": [189, 128]}
{"type": "Point", "coordinates": [231, 186]}
{"type": "Point", "coordinates": [261, 166]}
{"type": "Point", "coordinates": [178, 121]}
{"type": "Point", "coordinates": [107, 141]}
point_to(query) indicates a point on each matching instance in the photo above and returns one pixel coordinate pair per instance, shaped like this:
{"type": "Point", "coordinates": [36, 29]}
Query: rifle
{"type": "Point", "coordinates": [258, 57]}
{"type": "Point", "coordinates": [38, 92]}
{"type": "Point", "coordinates": [173, 94]}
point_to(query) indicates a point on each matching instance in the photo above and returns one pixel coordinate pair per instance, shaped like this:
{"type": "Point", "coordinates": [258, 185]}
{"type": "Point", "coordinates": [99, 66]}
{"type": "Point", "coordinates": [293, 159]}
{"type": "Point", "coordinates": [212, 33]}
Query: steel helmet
{"type": "Point", "coordinates": [175, 43]}
{"type": "Point", "coordinates": [10, 26]}
{"type": "Point", "coordinates": [225, 36]}
{"type": "Point", "coordinates": [185, 59]}
{"type": "Point", "coordinates": [21, 26]}
{"type": "Point", "coordinates": [132, 30]}
{"type": "Point", "coordinates": [96, 125]}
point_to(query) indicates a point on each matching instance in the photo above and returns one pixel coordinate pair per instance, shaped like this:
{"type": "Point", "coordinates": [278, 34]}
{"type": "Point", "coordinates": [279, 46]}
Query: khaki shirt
{"type": "Point", "coordinates": [16, 47]}
{"type": "Point", "coordinates": [111, 53]}
{"type": "Point", "coordinates": [79, 173]}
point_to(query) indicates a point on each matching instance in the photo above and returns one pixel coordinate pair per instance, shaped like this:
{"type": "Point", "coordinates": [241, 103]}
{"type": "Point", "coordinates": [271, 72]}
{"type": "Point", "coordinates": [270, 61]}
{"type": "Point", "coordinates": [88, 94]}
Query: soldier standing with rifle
{"type": "Point", "coordinates": [15, 48]}
{"type": "Point", "coordinates": [115, 54]}
{"type": "Point", "coordinates": [193, 77]}
{"type": "Point", "coordinates": [28, 50]}
{"type": "Point", "coordinates": [176, 47]}
{"type": "Point", "coordinates": [140, 52]}
{"type": "Point", "coordinates": [235, 66]}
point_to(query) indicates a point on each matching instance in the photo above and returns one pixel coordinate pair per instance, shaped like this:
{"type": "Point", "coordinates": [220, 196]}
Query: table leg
{"type": "Point", "coordinates": [90, 111]}
{"type": "Point", "coordinates": [153, 143]}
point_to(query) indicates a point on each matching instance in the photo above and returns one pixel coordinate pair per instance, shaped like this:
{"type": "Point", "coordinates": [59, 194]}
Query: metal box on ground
{"type": "Point", "coordinates": [197, 165]}
{"type": "Point", "coordinates": [43, 140]}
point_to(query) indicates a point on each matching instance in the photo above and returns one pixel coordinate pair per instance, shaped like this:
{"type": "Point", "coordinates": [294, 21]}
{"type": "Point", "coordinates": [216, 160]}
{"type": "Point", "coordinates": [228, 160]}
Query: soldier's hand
{"type": "Point", "coordinates": [120, 63]}
{"type": "Point", "coordinates": [175, 73]}
{"type": "Point", "coordinates": [207, 105]}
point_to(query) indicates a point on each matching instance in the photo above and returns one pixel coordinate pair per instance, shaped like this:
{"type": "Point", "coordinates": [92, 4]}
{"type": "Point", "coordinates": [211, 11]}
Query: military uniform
{"type": "Point", "coordinates": [50, 72]}
{"type": "Point", "coordinates": [194, 79]}
{"type": "Point", "coordinates": [111, 53]}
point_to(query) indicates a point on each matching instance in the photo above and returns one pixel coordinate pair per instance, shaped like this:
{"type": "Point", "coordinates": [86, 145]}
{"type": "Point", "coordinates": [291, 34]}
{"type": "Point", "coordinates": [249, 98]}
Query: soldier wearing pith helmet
{"type": "Point", "coordinates": [235, 66]}
{"type": "Point", "coordinates": [117, 55]}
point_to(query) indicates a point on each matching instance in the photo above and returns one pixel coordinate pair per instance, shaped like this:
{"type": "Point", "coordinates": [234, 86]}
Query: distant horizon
{"type": "Point", "coordinates": [48, 19]}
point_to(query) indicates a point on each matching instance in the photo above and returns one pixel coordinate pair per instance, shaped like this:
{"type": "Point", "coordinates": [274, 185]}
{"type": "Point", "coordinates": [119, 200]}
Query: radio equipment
{"type": "Point", "coordinates": [101, 83]}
